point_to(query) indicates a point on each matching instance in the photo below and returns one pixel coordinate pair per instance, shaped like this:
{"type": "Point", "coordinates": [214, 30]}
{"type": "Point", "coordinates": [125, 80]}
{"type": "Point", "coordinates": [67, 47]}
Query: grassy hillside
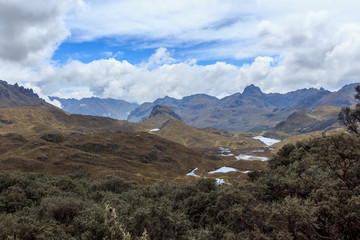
{"type": "Point", "coordinates": [323, 118]}
{"type": "Point", "coordinates": [164, 122]}
{"type": "Point", "coordinates": [33, 121]}
{"type": "Point", "coordinates": [197, 138]}
{"type": "Point", "coordinates": [138, 157]}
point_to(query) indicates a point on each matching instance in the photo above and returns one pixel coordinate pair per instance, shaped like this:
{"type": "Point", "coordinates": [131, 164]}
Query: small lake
{"type": "Point", "coordinates": [267, 141]}
{"type": "Point", "coordinates": [192, 173]}
{"type": "Point", "coordinates": [251, 157]}
{"type": "Point", "coordinates": [223, 170]}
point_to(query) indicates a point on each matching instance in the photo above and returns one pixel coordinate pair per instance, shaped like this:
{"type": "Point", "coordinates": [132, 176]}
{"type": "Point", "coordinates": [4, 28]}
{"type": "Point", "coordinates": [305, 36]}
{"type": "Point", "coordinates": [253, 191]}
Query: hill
{"type": "Point", "coordinates": [164, 122]}
{"type": "Point", "coordinates": [159, 115]}
{"type": "Point", "coordinates": [32, 121]}
{"type": "Point", "coordinates": [251, 110]}
{"type": "Point", "coordinates": [323, 118]}
{"type": "Point", "coordinates": [137, 157]}
{"type": "Point", "coordinates": [198, 138]}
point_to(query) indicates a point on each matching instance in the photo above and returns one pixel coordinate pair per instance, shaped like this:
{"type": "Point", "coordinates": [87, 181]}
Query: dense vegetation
{"type": "Point", "coordinates": [310, 191]}
{"type": "Point", "coordinates": [350, 116]}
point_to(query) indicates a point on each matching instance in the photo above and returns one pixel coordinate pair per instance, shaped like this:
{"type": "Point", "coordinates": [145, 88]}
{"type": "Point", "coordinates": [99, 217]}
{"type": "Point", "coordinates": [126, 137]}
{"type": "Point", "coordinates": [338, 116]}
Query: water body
{"type": "Point", "coordinates": [258, 150]}
{"type": "Point", "coordinates": [223, 170]}
{"type": "Point", "coordinates": [192, 173]}
{"type": "Point", "coordinates": [225, 152]}
{"type": "Point", "coordinates": [267, 141]}
{"type": "Point", "coordinates": [251, 157]}
{"type": "Point", "coordinates": [220, 181]}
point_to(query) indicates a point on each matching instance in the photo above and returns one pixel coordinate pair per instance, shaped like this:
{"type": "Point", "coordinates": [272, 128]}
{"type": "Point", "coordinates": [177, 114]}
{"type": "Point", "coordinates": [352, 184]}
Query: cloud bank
{"type": "Point", "coordinates": [294, 47]}
{"type": "Point", "coordinates": [32, 30]}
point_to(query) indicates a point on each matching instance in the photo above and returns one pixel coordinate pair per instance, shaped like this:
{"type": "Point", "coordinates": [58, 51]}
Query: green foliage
{"type": "Point", "coordinates": [283, 158]}
{"type": "Point", "coordinates": [350, 117]}
{"type": "Point", "coordinates": [311, 190]}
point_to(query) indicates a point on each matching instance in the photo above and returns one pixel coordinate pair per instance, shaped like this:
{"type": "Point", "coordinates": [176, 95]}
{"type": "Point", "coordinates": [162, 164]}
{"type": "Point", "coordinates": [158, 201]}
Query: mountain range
{"type": "Point", "coordinates": [251, 110]}
{"type": "Point", "coordinates": [117, 109]}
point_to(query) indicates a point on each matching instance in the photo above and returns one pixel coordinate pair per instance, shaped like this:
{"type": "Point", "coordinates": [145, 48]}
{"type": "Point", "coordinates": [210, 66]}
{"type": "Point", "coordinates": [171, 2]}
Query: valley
{"type": "Point", "coordinates": [71, 169]}
{"type": "Point", "coordinates": [179, 120]}
{"type": "Point", "coordinates": [40, 137]}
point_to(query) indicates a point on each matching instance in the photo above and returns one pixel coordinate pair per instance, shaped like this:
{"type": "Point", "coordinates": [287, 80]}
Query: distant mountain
{"type": "Point", "coordinates": [251, 110]}
{"type": "Point", "coordinates": [17, 96]}
{"type": "Point", "coordinates": [190, 105]}
{"type": "Point", "coordinates": [117, 109]}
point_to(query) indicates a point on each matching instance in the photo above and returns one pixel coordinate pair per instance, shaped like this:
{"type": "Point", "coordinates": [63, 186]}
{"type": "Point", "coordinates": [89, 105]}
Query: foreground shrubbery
{"type": "Point", "coordinates": [310, 191]}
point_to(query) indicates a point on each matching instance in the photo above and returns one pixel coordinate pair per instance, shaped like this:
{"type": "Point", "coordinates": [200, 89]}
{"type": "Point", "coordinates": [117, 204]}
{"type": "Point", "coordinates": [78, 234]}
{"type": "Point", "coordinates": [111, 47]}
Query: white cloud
{"type": "Point", "coordinates": [315, 50]}
{"type": "Point", "coordinates": [139, 83]}
{"type": "Point", "coordinates": [31, 30]}
{"type": "Point", "coordinates": [230, 26]}
{"type": "Point", "coordinates": [295, 44]}
{"type": "Point", "coordinates": [160, 57]}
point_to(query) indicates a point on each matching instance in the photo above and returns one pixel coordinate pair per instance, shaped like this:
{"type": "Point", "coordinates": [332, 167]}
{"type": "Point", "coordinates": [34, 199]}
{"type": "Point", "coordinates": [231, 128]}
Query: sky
{"type": "Point", "coordinates": [141, 50]}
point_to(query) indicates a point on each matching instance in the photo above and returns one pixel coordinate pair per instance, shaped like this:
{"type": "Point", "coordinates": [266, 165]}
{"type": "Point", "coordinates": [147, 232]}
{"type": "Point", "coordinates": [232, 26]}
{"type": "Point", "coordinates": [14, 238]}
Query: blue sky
{"type": "Point", "coordinates": [140, 50]}
{"type": "Point", "coordinates": [89, 51]}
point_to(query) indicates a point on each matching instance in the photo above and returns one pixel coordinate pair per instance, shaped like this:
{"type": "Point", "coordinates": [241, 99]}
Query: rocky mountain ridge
{"type": "Point", "coordinates": [15, 96]}
{"type": "Point", "coordinates": [251, 110]}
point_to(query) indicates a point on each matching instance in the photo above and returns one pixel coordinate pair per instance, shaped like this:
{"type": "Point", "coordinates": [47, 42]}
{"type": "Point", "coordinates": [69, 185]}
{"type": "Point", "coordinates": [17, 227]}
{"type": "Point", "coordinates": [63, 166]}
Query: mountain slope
{"type": "Point", "coordinates": [323, 118]}
{"type": "Point", "coordinates": [15, 96]}
{"type": "Point", "coordinates": [193, 137]}
{"type": "Point", "coordinates": [164, 122]}
{"type": "Point", "coordinates": [31, 121]}
{"type": "Point", "coordinates": [159, 115]}
{"type": "Point", "coordinates": [136, 157]}
{"type": "Point", "coordinates": [23, 112]}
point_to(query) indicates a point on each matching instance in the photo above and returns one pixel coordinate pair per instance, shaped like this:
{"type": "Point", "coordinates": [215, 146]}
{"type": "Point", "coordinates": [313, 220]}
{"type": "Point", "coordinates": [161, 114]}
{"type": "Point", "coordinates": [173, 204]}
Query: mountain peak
{"type": "Point", "coordinates": [164, 110]}
{"type": "Point", "coordinates": [252, 90]}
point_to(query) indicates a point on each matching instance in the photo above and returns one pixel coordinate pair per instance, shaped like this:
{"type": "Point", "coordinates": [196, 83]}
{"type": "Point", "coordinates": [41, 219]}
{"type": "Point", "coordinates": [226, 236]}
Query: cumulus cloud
{"type": "Point", "coordinates": [315, 49]}
{"type": "Point", "coordinates": [292, 46]}
{"type": "Point", "coordinates": [160, 57]}
{"type": "Point", "coordinates": [229, 26]}
{"type": "Point", "coordinates": [140, 83]}
{"type": "Point", "coordinates": [31, 30]}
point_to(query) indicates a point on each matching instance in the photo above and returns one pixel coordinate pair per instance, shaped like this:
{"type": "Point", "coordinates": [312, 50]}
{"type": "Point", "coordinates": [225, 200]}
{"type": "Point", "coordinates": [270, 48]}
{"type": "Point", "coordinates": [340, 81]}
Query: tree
{"type": "Point", "coordinates": [350, 117]}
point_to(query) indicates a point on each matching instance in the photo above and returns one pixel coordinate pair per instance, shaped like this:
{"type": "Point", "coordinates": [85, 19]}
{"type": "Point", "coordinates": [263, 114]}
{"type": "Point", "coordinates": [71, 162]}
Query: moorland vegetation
{"type": "Point", "coordinates": [310, 190]}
